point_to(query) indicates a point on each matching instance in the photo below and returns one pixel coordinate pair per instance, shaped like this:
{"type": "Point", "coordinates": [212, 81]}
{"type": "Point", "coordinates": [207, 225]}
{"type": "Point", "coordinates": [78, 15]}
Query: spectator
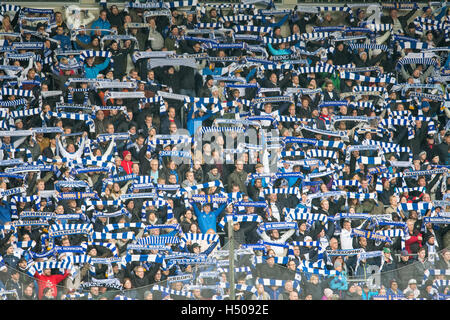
{"type": "Point", "coordinates": [49, 281]}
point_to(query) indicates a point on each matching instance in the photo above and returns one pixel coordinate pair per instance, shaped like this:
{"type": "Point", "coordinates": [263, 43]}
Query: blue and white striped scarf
{"type": "Point", "coordinates": [115, 236]}
{"type": "Point", "coordinates": [240, 218]}
{"type": "Point", "coordinates": [157, 240]}
{"type": "Point", "coordinates": [419, 207]}
{"type": "Point", "coordinates": [216, 183]}
{"type": "Point", "coordinates": [57, 230]}
{"type": "Point", "coordinates": [198, 237]}
{"type": "Point", "coordinates": [91, 53]}
{"type": "Point", "coordinates": [168, 291]}
{"type": "Point", "coordinates": [358, 77]}
{"type": "Point", "coordinates": [17, 92]}
{"type": "Point", "coordinates": [370, 235]}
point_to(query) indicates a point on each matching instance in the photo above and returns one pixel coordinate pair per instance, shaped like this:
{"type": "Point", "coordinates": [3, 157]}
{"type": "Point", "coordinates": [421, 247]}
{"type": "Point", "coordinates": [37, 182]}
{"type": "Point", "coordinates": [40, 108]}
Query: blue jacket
{"type": "Point", "coordinates": [339, 282]}
{"type": "Point", "coordinates": [193, 124]}
{"type": "Point", "coordinates": [208, 221]}
{"type": "Point", "coordinates": [369, 295]}
{"type": "Point", "coordinates": [100, 24]}
{"type": "Point", "coordinates": [65, 41]}
{"type": "Point", "coordinates": [5, 213]}
{"type": "Point", "coordinates": [92, 72]}
{"type": "Point", "coordinates": [83, 38]}
{"type": "Point", "coordinates": [11, 260]}
{"type": "Point", "coordinates": [216, 72]}
{"type": "Point", "coordinates": [278, 52]}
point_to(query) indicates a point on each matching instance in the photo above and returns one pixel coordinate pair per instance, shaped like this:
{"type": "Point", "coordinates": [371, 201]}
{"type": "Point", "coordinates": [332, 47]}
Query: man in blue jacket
{"type": "Point", "coordinates": [5, 212]}
{"type": "Point", "coordinates": [64, 40]}
{"type": "Point", "coordinates": [101, 23]}
{"type": "Point", "coordinates": [83, 37]}
{"type": "Point", "coordinates": [207, 219]}
{"type": "Point", "coordinates": [91, 70]}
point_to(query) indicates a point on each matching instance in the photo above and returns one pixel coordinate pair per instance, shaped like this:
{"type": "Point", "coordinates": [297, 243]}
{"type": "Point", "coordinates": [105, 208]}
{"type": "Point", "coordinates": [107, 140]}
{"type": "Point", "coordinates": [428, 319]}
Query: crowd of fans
{"type": "Point", "coordinates": [133, 143]}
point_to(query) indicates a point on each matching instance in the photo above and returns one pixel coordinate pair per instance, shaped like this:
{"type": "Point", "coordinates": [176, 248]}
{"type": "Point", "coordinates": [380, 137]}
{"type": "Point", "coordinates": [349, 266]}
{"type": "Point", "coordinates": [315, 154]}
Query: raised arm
{"type": "Point", "coordinates": [220, 209]}
{"type": "Point", "coordinates": [287, 235]}
{"type": "Point", "coordinates": [62, 150]}
{"type": "Point", "coordinates": [109, 150]}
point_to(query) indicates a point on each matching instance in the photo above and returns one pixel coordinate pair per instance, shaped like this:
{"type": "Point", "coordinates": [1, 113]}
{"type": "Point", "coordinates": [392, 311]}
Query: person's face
{"type": "Point", "coordinates": [15, 276]}
{"type": "Point", "coordinates": [421, 254]}
{"type": "Point", "coordinates": [154, 164]}
{"type": "Point", "coordinates": [447, 256]}
{"type": "Point", "coordinates": [291, 265]}
{"type": "Point", "coordinates": [347, 225]}
{"type": "Point", "coordinates": [447, 139]}
{"type": "Point", "coordinates": [28, 291]}
{"type": "Point", "coordinates": [171, 113]}
{"type": "Point", "coordinates": [173, 127]}
{"type": "Point", "coordinates": [197, 47]}
{"type": "Point", "coordinates": [23, 264]}
{"type": "Point", "coordinates": [47, 272]}
{"type": "Point", "coordinates": [193, 228]}
{"type": "Point", "coordinates": [59, 209]}
{"type": "Point", "coordinates": [134, 75]}
{"type": "Point", "coordinates": [364, 184]}
{"type": "Point", "coordinates": [172, 179]}
{"type": "Point", "coordinates": [333, 244]}
{"type": "Point", "coordinates": [273, 77]}
{"type": "Point", "coordinates": [275, 234]}
{"type": "Point", "coordinates": [293, 295]}
{"type": "Point", "coordinates": [363, 242]}
{"type": "Point", "coordinates": [140, 272]}
{"type": "Point", "coordinates": [268, 108]}
{"type": "Point", "coordinates": [291, 109]}
{"type": "Point", "coordinates": [394, 14]}
{"type": "Point", "coordinates": [330, 87]}
{"type": "Point", "coordinates": [103, 15]}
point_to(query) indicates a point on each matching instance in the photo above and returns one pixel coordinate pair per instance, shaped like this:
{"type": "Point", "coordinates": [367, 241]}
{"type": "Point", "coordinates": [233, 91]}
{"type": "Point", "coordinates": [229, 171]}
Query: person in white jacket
{"type": "Point", "coordinates": [346, 238]}
{"type": "Point", "coordinates": [74, 17]}
{"type": "Point", "coordinates": [70, 153]}
{"type": "Point", "coordinates": [276, 238]}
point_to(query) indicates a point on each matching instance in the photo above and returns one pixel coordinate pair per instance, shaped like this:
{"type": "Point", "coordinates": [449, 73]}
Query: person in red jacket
{"type": "Point", "coordinates": [47, 280]}
{"type": "Point", "coordinates": [127, 164]}
{"type": "Point", "coordinates": [414, 242]}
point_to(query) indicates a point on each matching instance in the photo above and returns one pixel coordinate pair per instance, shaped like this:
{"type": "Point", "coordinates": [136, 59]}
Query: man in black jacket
{"type": "Point", "coordinates": [442, 149]}
{"type": "Point", "coordinates": [407, 272]}
{"type": "Point", "coordinates": [171, 78]}
{"type": "Point", "coordinates": [140, 279]}
{"type": "Point", "coordinates": [14, 283]}
{"type": "Point", "coordinates": [399, 24]}
{"type": "Point", "coordinates": [120, 56]}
